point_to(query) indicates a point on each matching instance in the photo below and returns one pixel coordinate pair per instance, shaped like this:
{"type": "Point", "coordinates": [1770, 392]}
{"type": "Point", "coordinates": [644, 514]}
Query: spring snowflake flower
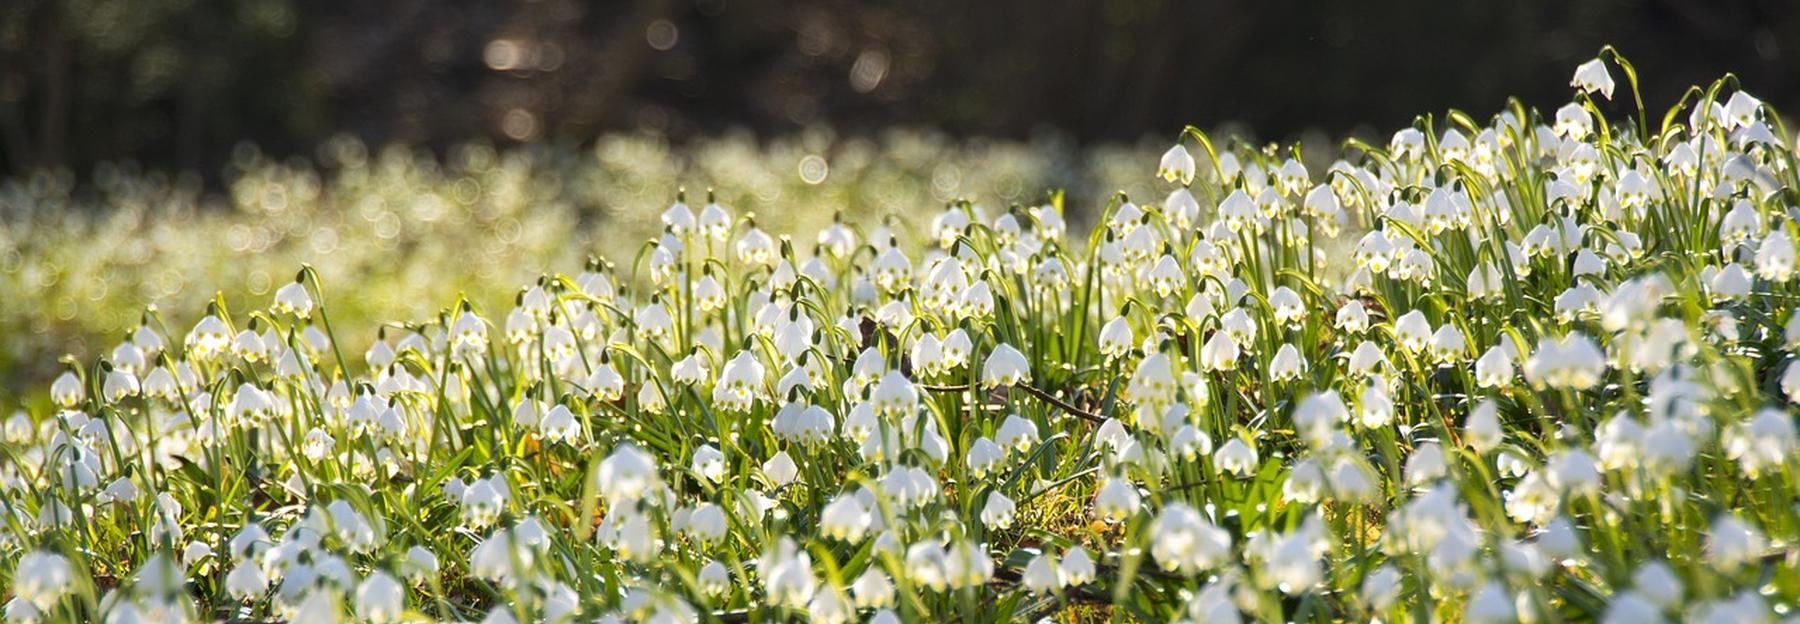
{"type": "Point", "coordinates": [1318, 413]}
{"type": "Point", "coordinates": [1116, 500]}
{"type": "Point", "coordinates": [1592, 77]}
{"type": "Point", "coordinates": [246, 580]}
{"type": "Point", "coordinates": [1305, 482]}
{"type": "Point", "coordinates": [985, 457]}
{"type": "Point", "coordinates": [845, 518]}
{"type": "Point", "coordinates": [781, 469]}
{"type": "Point", "coordinates": [1006, 366]}
{"type": "Point", "coordinates": [1764, 442]}
{"type": "Point", "coordinates": [1042, 575]}
{"type": "Point", "coordinates": [1367, 360]}
{"type": "Point", "coordinates": [626, 474]}
{"type": "Point", "coordinates": [1116, 338]}
{"type": "Point", "coordinates": [1287, 365]}
{"type": "Point", "coordinates": [1492, 604]}
{"type": "Point", "coordinates": [1731, 543]}
{"type": "Point", "coordinates": [380, 598]}
{"type": "Point", "coordinates": [1667, 448]}
{"type": "Point", "coordinates": [1017, 434]}
{"type": "Point", "coordinates": [1775, 256]}
{"type": "Point", "coordinates": [1573, 122]}
{"type": "Point", "coordinates": [1236, 458]}
{"type": "Point", "coordinates": [1177, 165]}
{"type": "Point", "coordinates": [1380, 588]}
{"type": "Point", "coordinates": [1741, 109]}
{"type": "Point", "coordinates": [1152, 383]}
{"type": "Point", "coordinates": [998, 512]}
{"type": "Point", "coordinates": [1572, 362]}
{"type": "Point", "coordinates": [42, 579]}
{"type": "Point", "coordinates": [873, 589]}
{"type": "Point", "coordinates": [560, 425]}
{"type": "Point", "coordinates": [1181, 540]}
{"type": "Point", "coordinates": [895, 395]}
{"type": "Point", "coordinates": [1076, 566]}
{"type": "Point", "coordinates": [1220, 353]}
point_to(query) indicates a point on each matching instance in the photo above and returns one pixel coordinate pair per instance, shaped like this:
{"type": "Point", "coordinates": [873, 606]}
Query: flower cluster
{"type": "Point", "coordinates": [1532, 369]}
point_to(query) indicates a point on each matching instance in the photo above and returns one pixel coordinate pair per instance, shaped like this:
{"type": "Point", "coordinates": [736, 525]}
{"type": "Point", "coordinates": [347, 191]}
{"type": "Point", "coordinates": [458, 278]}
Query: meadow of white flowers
{"type": "Point", "coordinates": [1545, 377]}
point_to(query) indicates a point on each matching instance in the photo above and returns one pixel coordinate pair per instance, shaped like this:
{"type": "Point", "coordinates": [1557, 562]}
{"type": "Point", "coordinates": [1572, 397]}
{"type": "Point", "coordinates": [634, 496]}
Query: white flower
{"type": "Point", "coordinates": [42, 578]}
{"type": "Point", "coordinates": [1190, 442]}
{"type": "Point", "coordinates": [1482, 429]}
{"type": "Point", "coordinates": [714, 578]}
{"type": "Point", "coordinates": [1352, 318]}
{"type": "Point", "coordinates": [1764, 442]}
{"type": "Point", "coordinates": [1006, 366]}
{"type": "Point", "coordinates": [1077, 566]}
{"type": "Point", "coordinates": [380, 598]}
{"type": "Point", "coordinates": [1319, 413]}
{"type": "Point", "coordinates": [1115, 337]}
{"type": "Point", "coordinates": [1731, 543]}
{"type": "Point", "coordinates": [845, 518]}
{"type": "Point", "coordinates": [1492, 604]}
{"type": "Point", "coordinates": [67, 390]}
{"type": "Point", "coordinates": [1016, 434]}
{"type": "Point", "coordinates": [706, 522]}
{"type": "Point", "coordinates": [1667, 448]}
{"type": "Point", "coordinates": [829, 606]}
{"type": "Point", "coordinates": [1426, 465]}
{"type": "Point", "coordinates": [560, 425]}
{"type": "Point", "coordinates": [1572, 362]}
{"type": "Point", "coordinates": [605, 383]}
{"type": "Point", "coordinates": [895, 395]}
{"type": "Point", "coordinates": [1181, 540]}
{"type": "Point", "coordinates": [997, 513]}
{"type": "Point", "coordinates": [1291, 561]}
{"type": "Point", "coordinates": [626, 474]}
{"type": "Point", "coordinates": [1573, 122]}
{"type": "Point", "coordinates": [1288, 307]}
{"type": "Point", "coordinates": [120, 383]}
{"type": "Point", "coordinates": [1366, 360]}
{"type": "Point", "coordinates": [1741, 109]}
{"type": "Point", "coordinates": [1413, 331]}
{"type": "Point", "coordinates": [1287, 365]}
{"type": "Point", "coordinates": [420, 564]}
{"type": "Point", "coordinates": [1220, 353]}
{"type": "Point", "coordinates": [1042, 575]}
{"type": "Point", "coordinates": [246, 581]}
{"type": "Point", "coordinates": [293, 299]}
{"type": "Point", "coordinates": [1374, 408]}
{"type": "Point", "coordinates": [1381, 588]}
{"type": "Point", "coordinates": [1448, 345]}
{"type": "Point", "coordinates": [1116, 500]}
{"type": "Point", "coordinates": [1177, 165]}
{"type": "Point", "coordinates": [1305, 482]}
{"type": "Point", "coordinates": [1236, 457]}
{"type": "Point", "coordinates": [967, 564]}
{"type": "Point", "coordinates": [1574, 471]}
{"type": "Point", "coordinates": [1152, 384]}
{"type": "Point", "coordinates": [709, 462]}
{"type": "Point", "coordinates": [781, 469]}
{"type": "Point", "coordinates": [872, 589]}
{"type": "Point", "coordinates": [1775, 256]}
{"type": "Point", "coordinates": [985, 457]}
{"type": "Point", "coordinates": [1494, 369]}
{"type": "Point", "coordinates": [1592, 77]}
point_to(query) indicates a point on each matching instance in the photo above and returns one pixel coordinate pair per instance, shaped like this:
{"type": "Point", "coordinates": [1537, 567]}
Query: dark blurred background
{"type": "Point", "coordinates": [174, 84]}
